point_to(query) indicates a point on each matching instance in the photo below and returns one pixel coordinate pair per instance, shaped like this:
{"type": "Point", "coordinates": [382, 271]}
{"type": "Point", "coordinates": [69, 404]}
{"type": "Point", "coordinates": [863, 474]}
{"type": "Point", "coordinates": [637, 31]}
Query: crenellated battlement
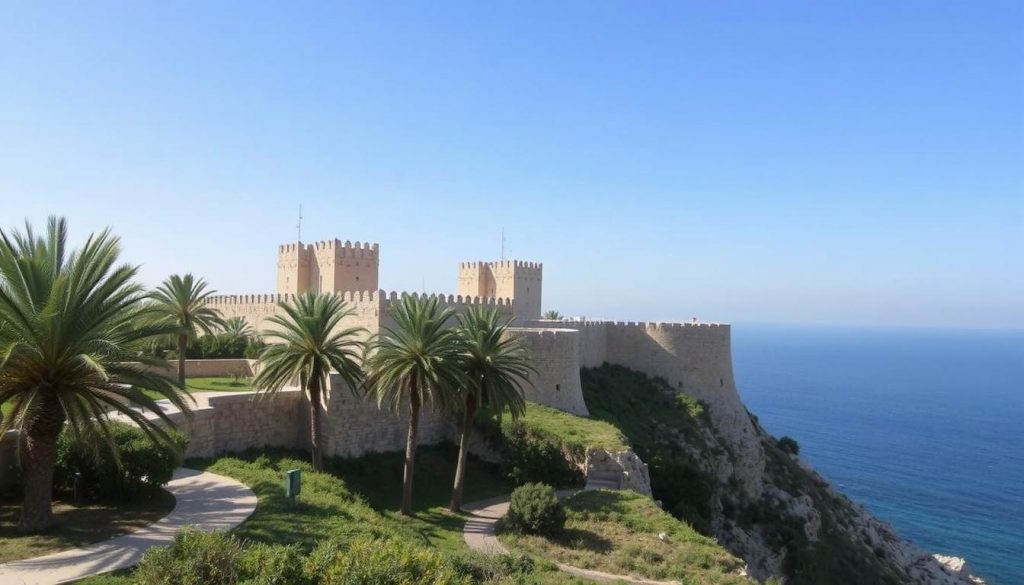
{"type": "Point", "coordinates": [476, 265]}
{"type": "Point", "coordinates": [520, 280]}
{"type": "Point", "coordinates": [347, 249]}
{"type": "Point", "coordinates": [368, 296]}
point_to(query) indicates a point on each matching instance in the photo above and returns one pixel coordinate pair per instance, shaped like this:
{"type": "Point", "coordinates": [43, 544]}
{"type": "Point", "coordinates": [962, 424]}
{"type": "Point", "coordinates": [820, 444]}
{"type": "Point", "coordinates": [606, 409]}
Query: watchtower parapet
{"type": "Point", "coordinates": [328, 266]}
{"type": "Point", "coordinates": [516, 279]}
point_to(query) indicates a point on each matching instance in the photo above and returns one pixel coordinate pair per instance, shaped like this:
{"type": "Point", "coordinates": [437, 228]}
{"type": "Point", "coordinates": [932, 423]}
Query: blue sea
{"type": "Point", "coordinates": [924, 427]}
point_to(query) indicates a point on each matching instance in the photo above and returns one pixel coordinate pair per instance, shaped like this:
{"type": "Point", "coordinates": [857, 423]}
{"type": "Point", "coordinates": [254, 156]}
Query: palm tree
{"type": "Point", "coordinates": [71, 327]}
{"type": "Point", "coordinates": [306, 347]}
{"type": "Point", "coordinates": [497, 365]}
{"type": "Point", "coordinates": [417, 361]}
{"type": "Point", "coordinates": [238, 328]}
{"type": "Point", "coordinates": [181, 300]}
{"type": "Point", "coordinates": [552, 315]}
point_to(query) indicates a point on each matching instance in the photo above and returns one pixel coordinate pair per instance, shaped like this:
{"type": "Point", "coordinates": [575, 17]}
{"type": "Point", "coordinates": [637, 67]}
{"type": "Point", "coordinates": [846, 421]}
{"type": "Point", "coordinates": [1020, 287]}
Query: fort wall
{"type": "Point", "coordinates": [695, 359]}
{"type": "Point", "coordinates": [555, 357]}
{"type": "Point", "coordinates": [354, 426]}
{"type": "Point", "coordinates": [371, 309]}
{"type": "Point", "coordinates": [236, 422]}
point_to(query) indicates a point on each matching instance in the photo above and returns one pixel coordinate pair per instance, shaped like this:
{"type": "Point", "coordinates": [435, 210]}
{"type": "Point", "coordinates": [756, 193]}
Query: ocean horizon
{"type": "Point", "coordinates": [925, 427]}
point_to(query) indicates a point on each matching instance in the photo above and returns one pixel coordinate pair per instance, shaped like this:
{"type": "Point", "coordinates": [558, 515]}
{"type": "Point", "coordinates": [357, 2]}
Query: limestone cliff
{"type": "Point", "coordinates": [731, 479]}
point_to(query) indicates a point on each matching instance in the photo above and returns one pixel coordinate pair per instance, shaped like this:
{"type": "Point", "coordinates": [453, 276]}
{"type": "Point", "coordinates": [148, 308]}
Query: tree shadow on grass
{"type": "Point", "coordinates": [582, 540]}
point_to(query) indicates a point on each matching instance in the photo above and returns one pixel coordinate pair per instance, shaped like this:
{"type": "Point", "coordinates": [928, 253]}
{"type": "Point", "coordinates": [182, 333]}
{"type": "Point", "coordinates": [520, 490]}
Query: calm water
{"type": "Point", "coordinates": [925, 427]}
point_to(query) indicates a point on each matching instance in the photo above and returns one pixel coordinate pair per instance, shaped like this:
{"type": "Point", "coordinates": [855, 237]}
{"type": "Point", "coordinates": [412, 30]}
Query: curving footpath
{"type": "Point", "coordinates": [204, 500]}
{"type": "Point", "coordinates": [478, 532]}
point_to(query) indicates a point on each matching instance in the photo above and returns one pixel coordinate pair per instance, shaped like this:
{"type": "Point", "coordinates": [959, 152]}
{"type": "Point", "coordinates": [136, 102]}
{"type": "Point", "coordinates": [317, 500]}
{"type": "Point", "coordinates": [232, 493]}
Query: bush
{"type": "Point", "coordinates": [387, 562]}
{"type": "Point", "coordinates": [144, 465]}
{"type": "Point", "coordinates": [789, 445]}
{"type": "Point", "coordinates": [535, 510]}
{"type": "Point", "coordinates": [194, 558]}
{"type": "Point", "coordinates": [265, 564]}
{"type": "Point", "coordinates": [529, 455]}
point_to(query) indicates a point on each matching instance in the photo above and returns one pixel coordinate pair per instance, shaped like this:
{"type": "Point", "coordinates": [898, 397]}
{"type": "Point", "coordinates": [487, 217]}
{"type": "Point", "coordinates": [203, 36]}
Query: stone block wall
{"type": "Point", "coordinates": [355, 426]}
{"type": "Point", "coordinates": [555, 356]}
{"type": "Point", "coordinates": [236, 422]}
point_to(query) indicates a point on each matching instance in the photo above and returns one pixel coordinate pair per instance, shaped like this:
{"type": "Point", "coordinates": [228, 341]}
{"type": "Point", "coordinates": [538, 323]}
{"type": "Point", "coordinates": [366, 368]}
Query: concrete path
{"type": "Point", "coordinates": [479, 536]}
{"type": "Point", "coordinates": [205, 500]}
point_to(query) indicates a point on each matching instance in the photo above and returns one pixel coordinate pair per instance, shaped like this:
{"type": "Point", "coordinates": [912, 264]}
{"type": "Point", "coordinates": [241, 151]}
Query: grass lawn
{"type": "Point", "coordinates": [576, 431]}
{"type": "Point", "coordinates": [378, 479]}
{"type": "Point", "coordinates": [217, 384]}
{"type": "Point", "coordinates": [618, 532]}
{"type": "Point", "coordinates": [77, 526]}
{"type": "Point", "coordinates": [357, 497]}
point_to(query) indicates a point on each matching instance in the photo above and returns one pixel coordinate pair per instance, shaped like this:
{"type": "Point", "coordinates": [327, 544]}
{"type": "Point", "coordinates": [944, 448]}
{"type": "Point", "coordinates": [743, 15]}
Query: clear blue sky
{"type": "Point", "coordinates": [855, 163]}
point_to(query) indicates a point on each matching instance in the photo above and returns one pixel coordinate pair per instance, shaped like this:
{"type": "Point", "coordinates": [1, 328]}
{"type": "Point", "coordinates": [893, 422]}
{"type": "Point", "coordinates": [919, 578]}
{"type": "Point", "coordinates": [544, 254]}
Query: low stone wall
{"type": "Point", "coordinates": [210, 368]}
{"type": "Point", "coordinates": [236, 422]}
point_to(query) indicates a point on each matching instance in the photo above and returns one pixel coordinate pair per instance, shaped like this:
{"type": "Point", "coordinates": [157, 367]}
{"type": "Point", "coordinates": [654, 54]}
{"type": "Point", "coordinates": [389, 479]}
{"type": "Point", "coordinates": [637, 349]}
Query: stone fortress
{"type": "Point", "coordinates": [693, 357]}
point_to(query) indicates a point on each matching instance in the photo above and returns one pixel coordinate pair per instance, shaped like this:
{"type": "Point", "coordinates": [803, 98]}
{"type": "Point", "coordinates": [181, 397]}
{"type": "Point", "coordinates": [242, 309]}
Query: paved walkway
{"type": "Point", "coordinates": [205, 500]}
{"type": "Point", "coordinates": [479, 536]}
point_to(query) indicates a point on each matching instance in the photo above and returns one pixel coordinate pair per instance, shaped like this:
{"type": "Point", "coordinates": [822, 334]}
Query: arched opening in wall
{"type": "Point", "coordinates": [721, 382]}
{"type": "Point", "coordinates": [558, 387]}
{"type": "Point", "coordinates": [680, 384]}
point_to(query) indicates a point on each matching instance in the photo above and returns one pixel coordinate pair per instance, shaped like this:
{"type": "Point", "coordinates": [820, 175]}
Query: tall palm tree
{"type": "Point", "coordinates": [238, 328]}
{"type": "Point", "coordinates": [552, 315]}
{"type": "Point", "coordinates": [181, 300]}
{"type": "Point", "coordinates": [71, 327]}
{"type": "Point", "coordinates": [305, 346]}
{"type": "Point", "coordinates": [416, 362]}
{"type": "Point", "coordinates": [497, 365]}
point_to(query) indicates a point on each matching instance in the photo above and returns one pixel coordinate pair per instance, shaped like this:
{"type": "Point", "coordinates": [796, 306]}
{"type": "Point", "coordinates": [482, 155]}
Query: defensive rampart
{"type": "Point", "coordinates": [695, 358]}
{"type": "Point", "coordinates": [371, 309]}
{"type": "Point", "coordinates": [555, 357]}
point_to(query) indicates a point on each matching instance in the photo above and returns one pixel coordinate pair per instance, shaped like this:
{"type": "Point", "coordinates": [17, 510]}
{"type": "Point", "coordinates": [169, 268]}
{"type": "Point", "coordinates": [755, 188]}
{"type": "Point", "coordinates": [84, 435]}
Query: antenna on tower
{"type": "Point", "coordinates": [299, 226]}
{"type": "Point", "coordinates": [503, 244]}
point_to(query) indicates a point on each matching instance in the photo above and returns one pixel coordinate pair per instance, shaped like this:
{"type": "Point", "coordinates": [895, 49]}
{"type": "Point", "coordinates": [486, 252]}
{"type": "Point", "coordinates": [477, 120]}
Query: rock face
{"type": "Point", "coordinates": [622, 470]}
{"type": "Point", "coordinates": [828, 525]}
{"type": "Point", "coordinates": [766, 505]}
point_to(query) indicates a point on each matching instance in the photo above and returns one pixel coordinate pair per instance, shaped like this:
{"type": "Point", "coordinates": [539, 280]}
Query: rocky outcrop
{"type": "Point", "coordinates": [623, 470]}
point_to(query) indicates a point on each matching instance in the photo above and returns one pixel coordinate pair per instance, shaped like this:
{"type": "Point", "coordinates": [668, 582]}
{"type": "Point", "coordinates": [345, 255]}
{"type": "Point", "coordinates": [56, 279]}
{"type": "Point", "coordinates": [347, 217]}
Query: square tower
{"type": "Point", "coordinates": [327, 266]}
{"type": "Point", "coordinates": [294, 267]}
{"type": "Point", "coordinates": [346, 267]}
{"type": "Point", "coordinates": [514, 279]}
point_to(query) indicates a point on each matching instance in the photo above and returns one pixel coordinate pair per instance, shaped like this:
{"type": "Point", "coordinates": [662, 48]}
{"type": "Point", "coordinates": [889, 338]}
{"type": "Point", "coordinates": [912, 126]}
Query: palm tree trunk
{"type": "Point", "coordinates": [460, 469]}
{"type": "Point", "coordinates": [182, 347]}
{"type": "Point", "coordinates": [40, 452]}
{"type": "Point", "coordinates": [410, 452]}
{"type": "Point", "coordinates": [314, 424]}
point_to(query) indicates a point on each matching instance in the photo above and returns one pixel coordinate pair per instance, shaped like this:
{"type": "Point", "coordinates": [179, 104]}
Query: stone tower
{"type": "Point", "coordinates": [327, 266]}
{"type": "Point", "coordinates": [514, 279]}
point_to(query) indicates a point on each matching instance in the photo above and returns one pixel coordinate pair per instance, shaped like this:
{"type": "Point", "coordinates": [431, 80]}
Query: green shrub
{"type": "Point", "coordinates": [194, 558]}
{"type": "Point", "coordinates": [144, 465]}
{"type": "Point", "coordinates": [264, 564]}
{"type": "Point", "coordinates": [511, 569]}
{"type": "Point", "coordinates": [530, 455]}
{"type": "Point", "coordinates": [389, 562]}
{"type": "Point", "coordinates": [535, 510]}
{"type": "Point", "coordinates": [789, 445]}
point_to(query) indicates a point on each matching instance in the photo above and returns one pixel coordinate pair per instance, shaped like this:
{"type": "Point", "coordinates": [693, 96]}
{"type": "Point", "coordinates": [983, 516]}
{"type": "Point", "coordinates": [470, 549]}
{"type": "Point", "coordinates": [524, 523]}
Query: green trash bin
{"type": "Point", "coordinates": [293, 484]}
